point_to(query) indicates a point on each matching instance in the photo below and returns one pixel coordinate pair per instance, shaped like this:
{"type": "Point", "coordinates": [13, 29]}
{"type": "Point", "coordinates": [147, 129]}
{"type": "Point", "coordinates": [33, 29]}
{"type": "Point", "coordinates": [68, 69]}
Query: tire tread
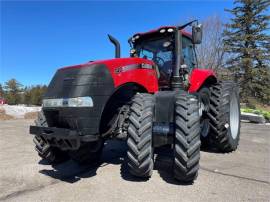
{"type": "Point", "coordinates": [187, 138]}
{"type": "Point", "coordinates": [140, 161]}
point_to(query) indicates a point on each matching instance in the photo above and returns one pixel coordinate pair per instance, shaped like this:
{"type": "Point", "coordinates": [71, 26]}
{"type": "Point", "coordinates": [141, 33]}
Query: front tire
{"type": "Point", "coordinates": [224, 116]}
{"type": "Point", "coordinates": [45, 151]}
{"type": "Point", "coordinates": [140, 150]}
{"type": "Point", "coordinates": [187, 138]}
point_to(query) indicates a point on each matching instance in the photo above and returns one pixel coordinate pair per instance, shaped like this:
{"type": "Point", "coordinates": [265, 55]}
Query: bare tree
{"type": "Point", "coordinates": [211, 52]}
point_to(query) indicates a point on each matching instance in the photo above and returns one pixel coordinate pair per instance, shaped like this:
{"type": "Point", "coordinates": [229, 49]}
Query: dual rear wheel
{"type": "Point", "coordinates": [215, 121]}
{"type": "Point", "coordinates": [187, 137]}
{"type": "Point", "coordinates": [220, 120]}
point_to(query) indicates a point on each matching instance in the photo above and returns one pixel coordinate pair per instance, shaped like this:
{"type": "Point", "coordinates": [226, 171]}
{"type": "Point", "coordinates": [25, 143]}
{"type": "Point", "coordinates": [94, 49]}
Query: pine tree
{"type": "Point", "coordinates": [13, 91]}
{"type": "Point", "coordinates": [33, 94]}
{"type": "Point", "coordinates": [27, 96]}
{"type": "Point", "coordinates": [247, 41]}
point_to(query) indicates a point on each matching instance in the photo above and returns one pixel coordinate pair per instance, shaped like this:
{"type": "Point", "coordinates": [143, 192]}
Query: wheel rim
{"type": "Point", "coordinates": [234, 116]}
{"type": "Point", "coordinates": [204, 108]}
{"type": "Point", "coordinates": [204, 127]}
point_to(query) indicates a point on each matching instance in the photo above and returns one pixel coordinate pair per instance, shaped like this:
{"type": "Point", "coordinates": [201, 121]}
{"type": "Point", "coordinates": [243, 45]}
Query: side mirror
{"type": "Point", "coordinates": [197, 34]}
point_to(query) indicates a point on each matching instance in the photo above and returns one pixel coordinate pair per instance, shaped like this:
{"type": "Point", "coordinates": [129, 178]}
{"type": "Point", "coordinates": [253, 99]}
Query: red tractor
{"type": "Point", "coordinates": [157, 97]}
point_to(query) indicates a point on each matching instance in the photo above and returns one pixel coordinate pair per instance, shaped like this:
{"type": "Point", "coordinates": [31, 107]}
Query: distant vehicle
{"type": "Point", "coordinates": [2, 101]}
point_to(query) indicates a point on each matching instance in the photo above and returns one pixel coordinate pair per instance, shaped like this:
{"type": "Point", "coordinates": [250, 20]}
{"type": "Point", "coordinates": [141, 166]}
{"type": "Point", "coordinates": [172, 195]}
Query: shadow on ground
{"type": "Point", "coordinates": [70, 171]}
{"type": "Point", "coordinates": [114, 152]}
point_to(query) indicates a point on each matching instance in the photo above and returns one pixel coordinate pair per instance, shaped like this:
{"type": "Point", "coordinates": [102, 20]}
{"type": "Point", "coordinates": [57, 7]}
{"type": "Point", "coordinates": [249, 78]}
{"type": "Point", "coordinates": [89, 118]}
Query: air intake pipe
{"type": "Point", "coordinates": [116, 44]}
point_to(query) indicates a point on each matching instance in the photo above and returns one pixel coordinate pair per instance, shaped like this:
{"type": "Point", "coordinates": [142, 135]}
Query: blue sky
{"type": "Point", "coordinates": [39, 37]}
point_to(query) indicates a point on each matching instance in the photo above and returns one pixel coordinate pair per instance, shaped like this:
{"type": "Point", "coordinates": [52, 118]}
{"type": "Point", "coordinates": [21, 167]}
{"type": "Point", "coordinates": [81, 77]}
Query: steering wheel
{"type": "Point", "coordinates": [159, 61]}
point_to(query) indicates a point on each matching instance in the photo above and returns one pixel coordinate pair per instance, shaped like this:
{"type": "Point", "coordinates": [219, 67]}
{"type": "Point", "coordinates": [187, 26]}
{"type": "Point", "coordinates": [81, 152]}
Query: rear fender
{"type": "Point", "coordinates": [199, 77]}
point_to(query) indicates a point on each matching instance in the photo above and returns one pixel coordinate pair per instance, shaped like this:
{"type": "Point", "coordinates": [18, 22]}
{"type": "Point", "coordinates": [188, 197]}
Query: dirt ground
{"type": "Point", "coordinates": [31, 115]}
{"type": "Point", "coordinates": [243, 175]}
{"type": "Point", "coordinates": [4, 116]}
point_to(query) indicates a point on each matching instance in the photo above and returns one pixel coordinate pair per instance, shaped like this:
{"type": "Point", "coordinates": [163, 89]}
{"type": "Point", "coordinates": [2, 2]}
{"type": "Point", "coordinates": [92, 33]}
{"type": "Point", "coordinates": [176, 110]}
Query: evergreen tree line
{"type": "Point", "coordinates": [247, 40]}
{"type": "Point", "coordinates": [240, 48]}
{"type": "Point", "coordinates": [15, 93]}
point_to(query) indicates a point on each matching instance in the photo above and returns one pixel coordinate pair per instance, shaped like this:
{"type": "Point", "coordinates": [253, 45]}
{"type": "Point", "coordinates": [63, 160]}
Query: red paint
{"type": "Point", "coordinates": [144, 77]}
{"type": "Point", "coordinates": [2, 101]}
{"type": "Point", "coordinates": [198, 77]}
{"type": "Point", "coordinates": [116, 62]}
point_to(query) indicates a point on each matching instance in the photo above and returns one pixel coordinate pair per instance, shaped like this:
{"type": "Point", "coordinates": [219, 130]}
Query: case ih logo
{"type": "Point", "coordinates": [132, 67]}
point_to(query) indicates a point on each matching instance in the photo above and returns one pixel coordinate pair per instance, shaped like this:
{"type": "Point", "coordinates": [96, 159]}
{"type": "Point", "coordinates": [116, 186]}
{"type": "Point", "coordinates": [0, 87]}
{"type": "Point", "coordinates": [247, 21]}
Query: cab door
{"type": "Point", "coordinates": [164, 60]}
{"type": "Point", "coordinates": [188, 53]}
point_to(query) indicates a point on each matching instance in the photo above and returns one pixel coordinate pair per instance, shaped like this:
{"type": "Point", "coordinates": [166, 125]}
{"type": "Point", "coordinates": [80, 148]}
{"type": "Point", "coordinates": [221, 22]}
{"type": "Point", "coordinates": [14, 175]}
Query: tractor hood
{"type": "Point", "coordinates": [99, 77]}
{"type": "Point", "coordinates": [112, 64]}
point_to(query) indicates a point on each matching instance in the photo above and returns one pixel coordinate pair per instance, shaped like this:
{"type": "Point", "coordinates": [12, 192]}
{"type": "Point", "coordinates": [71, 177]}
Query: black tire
{"type": "Point", "coordinates": [187, 138]}
{"type": "Point", "coordinates": [224, 116]}
{"type": "Point", "coordinates": [88, 153]}
{"type": "Point", "coordinates": [140, 149]}
{"type": "Point", "coordinates": [204, 94]}
{"type": "Point", "coordinates": [45, 151]}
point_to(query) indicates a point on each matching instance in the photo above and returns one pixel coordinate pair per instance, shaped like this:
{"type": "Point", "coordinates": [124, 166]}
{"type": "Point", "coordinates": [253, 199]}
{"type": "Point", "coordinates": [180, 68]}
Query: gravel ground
{"type": "Point", "coordinates": [243, 175]}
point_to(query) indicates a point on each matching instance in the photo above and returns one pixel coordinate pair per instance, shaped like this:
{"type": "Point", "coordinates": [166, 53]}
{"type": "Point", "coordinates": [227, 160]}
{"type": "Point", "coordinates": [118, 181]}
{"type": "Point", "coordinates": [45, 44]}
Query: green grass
{"type": "Point", "coordinates": [266, 114]}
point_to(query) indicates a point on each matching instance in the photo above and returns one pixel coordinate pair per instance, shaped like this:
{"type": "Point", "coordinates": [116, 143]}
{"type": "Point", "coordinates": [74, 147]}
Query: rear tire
{"type": "Point", "coordinates": [88, 153]}
{"type": "Point", "coordinates": [140, 150]}
{"type": "Point", "coordinates": [224, 116]}
{"type": "Point", "coordinates": [45, 151]}
{"type": "Point", "coordinates": [187, 138]}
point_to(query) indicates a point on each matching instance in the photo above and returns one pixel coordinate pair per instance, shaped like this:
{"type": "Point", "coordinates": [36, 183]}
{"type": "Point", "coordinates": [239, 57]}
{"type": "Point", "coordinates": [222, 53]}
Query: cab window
{"type": "Point", "coordinates": [164, 60]}
{"type": "Point", "coordinates": [160, 50]}
{"type": "Point", "coordinates": [188, 53]}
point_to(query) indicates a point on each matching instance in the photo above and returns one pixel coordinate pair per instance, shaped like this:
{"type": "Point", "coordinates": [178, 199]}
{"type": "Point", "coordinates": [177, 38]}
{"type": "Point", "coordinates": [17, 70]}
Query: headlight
{"type": "Point", "coordinates": [137, 37]}
{"type": "Point", "coordinates": [80, 102]}
{"type": "Point", "coordinates": [132, 51]}
{"type": "Point", "coordinates": [52, 102]}
{"type": "Point", "coordinates": [170, 30]}
{"type": "Point", "coordinates": [68, 102]}
{"type": "Point", "coordinates": [162, 30]}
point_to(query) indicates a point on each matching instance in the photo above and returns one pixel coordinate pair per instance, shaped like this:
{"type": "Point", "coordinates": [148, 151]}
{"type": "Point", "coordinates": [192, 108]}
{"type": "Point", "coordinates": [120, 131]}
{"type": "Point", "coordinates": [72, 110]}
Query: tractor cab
{"type": "Point", "coordinates": [161, 47]}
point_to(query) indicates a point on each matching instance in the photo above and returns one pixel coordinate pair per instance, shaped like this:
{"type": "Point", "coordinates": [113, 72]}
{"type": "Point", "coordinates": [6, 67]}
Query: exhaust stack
{"type": "Point", "coordinates": [116, 44]}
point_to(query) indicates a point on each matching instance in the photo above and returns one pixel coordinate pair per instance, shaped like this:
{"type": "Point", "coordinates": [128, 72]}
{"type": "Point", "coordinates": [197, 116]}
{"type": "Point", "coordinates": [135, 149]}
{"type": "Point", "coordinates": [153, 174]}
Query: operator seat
{"type": "Point", "coordinates": [166, 68]}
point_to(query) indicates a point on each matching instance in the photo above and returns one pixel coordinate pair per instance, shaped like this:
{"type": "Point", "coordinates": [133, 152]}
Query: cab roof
{"type": "Point", "coordinates": [184, 32]}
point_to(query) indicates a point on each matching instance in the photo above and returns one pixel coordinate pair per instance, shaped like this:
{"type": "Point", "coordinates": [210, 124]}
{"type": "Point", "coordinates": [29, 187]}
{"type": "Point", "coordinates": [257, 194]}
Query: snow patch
{"type": "Point", "coordinates": [18, 111]}
{"type": "Point", "coordinates": [255, 118]}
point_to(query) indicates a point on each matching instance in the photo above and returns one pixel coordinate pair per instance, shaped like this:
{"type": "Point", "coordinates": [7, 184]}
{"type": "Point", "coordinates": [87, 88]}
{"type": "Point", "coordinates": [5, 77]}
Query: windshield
{"type": "Point", "coordinates": [159, 50]}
